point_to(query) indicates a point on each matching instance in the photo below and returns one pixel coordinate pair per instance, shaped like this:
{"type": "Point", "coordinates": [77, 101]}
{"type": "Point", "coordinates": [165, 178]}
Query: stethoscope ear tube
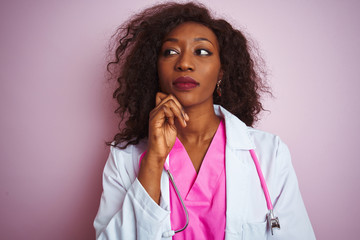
{"type": "Point", "coordinates": [181, 200]}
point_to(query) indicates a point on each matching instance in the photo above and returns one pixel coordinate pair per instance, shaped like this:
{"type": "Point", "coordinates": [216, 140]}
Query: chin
{"type": "Point", "coordinates": [192, 102]}
{"type": "Point", "coordinates": [184, 97]}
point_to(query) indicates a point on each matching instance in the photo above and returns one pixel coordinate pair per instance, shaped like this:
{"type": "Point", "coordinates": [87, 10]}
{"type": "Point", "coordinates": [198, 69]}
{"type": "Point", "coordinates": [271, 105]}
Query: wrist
{"type": "Point", "coordinates": [150, 177]}
{"type": "Point", "coordinates": [153, 160]}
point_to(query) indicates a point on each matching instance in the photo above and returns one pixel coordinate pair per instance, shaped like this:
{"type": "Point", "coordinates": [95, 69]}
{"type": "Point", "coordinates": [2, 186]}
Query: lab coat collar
{"type": "Point", "coordinates": [237, 135]}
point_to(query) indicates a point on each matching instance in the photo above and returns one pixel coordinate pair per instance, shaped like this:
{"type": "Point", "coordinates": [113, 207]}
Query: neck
{"type": "Point", "coordinates": [201, 127]}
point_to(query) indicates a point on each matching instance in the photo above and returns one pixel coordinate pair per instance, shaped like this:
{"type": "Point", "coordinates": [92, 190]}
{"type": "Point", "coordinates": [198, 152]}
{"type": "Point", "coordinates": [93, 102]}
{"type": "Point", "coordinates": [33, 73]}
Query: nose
{"type": "Point", "coordinates": [185, 62]}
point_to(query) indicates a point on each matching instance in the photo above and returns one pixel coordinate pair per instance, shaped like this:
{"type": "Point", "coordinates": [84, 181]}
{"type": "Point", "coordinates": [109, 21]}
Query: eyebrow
{"type": "Point", "coordinates": [195, 40]}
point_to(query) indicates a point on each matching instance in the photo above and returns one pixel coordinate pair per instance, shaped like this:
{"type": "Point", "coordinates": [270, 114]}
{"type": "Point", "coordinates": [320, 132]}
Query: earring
{"type": "Point", "coordinates": [218, 88]}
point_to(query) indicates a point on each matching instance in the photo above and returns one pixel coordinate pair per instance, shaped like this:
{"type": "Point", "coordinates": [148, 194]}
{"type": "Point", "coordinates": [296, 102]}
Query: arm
{"type": "Point", "coordinates": [126, 210]}
{"type": "Point", "coordinates": [289, 206]}
{"type": "Point", "coordinates": [131, 204]}
{"type": "Point", "coordinates": [161, 139]}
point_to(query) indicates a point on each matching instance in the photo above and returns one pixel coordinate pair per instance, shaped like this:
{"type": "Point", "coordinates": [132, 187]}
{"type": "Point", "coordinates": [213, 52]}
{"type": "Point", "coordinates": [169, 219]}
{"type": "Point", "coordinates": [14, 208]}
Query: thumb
{"type": "Point", "coordinates": [159, 97]}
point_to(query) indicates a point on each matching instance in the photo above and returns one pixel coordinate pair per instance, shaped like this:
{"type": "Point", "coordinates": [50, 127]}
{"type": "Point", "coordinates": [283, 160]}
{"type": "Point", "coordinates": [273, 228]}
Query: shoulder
{"type": "Point", "coordinates": [263, 138]}
{"type": "Point", "coordinates": [240, 136]}
{"type": "Point", "coordinates": [128, 150]}
{"type": "Point", "coordinates": [270, 148]}
{"type": "Point", "coordinates": [128, 157]}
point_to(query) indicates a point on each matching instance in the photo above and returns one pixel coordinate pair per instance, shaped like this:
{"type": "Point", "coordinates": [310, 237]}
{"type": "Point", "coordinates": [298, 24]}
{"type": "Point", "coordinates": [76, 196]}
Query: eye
{"type": "Point", "coordinates": [169, 52]}
{"type": "Point", "coordinates": [203, 52]}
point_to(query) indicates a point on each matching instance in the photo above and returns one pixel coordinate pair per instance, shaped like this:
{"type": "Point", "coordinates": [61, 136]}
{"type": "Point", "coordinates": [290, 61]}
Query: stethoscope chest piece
{"type": "Point", "coordinates": [273, 222]}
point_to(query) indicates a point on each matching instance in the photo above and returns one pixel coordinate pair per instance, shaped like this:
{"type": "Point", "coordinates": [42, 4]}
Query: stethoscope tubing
{"type": "Point", "coordinates": [181, 200]}
{"type": "Point", "coordinates": [273, 221]}
{"type": "Point", "coordinates": [262, 179]}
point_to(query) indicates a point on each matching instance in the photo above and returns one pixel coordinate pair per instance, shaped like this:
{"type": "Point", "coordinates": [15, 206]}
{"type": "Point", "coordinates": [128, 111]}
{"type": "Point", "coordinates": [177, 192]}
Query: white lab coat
{"type": "Point", "coordinates": [127, 212]}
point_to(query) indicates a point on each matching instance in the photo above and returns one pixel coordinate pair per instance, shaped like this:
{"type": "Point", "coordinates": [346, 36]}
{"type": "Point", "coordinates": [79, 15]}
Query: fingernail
{"type": "Point", "coordinates": [182, 114]}
{"type": "Point", "coordinates": [187, 116]}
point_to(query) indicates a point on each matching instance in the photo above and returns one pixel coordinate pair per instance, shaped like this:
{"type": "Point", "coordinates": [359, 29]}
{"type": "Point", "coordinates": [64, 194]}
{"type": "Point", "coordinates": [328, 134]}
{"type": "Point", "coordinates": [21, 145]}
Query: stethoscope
{"type": "Point", "coordinates": [272, 221]}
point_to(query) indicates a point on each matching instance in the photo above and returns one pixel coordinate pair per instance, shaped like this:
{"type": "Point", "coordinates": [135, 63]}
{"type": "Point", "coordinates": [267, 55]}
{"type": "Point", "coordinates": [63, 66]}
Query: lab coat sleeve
{"type": "Point", "coordinates": [126, 210]}
{"type": "Point", "coordinates": [289, 206]}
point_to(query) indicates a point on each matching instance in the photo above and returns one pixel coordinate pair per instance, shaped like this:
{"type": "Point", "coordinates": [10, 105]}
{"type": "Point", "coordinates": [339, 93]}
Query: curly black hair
{"type": "Point", "coordinates": [138, 43]}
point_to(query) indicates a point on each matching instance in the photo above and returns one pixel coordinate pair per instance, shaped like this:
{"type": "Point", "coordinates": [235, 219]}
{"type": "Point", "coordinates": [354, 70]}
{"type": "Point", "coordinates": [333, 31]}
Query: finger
{"type": "Point", "coordinates": [162, 114]}
{"type": "Point", "coordinates": [163, 98]}
{"type": "Point", "coordinates": [178, 112]}
{"type": "Point", "coordinates": [159, 97]}
{"type": "Point", "coordinates": [168, 109]}
{"type": "Point", "coordinates": [168, 115]}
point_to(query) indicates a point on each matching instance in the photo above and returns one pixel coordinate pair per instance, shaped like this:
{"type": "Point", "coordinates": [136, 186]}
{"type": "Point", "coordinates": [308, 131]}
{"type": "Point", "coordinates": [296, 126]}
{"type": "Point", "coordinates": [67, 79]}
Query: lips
{"type": "Point", "coordinates": [185, 83]}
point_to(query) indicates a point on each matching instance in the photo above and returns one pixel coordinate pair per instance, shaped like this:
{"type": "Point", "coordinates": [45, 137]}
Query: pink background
{"type": "Point", "coordinates": [56, 107]}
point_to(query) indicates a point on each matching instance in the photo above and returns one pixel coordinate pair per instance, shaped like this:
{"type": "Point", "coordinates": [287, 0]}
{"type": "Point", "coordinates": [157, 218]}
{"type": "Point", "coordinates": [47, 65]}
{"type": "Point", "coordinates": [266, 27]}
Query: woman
{"type": "Point", "coordinates": [175, 62]}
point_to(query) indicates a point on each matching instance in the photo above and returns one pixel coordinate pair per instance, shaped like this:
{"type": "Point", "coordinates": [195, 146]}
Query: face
{"type": "Point", "coordinates": [189, 64]}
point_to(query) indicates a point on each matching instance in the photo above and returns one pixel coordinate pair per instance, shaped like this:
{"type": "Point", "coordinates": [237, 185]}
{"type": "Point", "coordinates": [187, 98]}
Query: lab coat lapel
{"type": "Point", "coordinates": [238, 169]}
{"type": "Point", "coordinates": [237, 186]}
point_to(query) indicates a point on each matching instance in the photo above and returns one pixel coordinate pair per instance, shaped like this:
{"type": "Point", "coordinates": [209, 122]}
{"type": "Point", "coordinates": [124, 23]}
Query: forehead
{"type": "Point", "coordinates": [189, 31]}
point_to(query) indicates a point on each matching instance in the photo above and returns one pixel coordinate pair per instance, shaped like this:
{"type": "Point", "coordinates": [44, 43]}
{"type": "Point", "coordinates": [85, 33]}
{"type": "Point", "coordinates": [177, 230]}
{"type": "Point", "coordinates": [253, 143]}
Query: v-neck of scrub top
{"type": "Point", "coordinates": [203, 192]}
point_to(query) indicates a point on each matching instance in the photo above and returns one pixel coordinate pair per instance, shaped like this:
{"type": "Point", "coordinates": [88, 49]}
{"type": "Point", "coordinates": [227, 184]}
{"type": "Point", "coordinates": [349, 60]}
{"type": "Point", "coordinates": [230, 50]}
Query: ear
{"type": "Point", "coordinates": [221, 74]}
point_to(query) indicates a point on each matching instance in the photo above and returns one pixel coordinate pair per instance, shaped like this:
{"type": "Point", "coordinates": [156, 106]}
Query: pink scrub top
{"type": "Point", "coordinates": [203, 193]}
